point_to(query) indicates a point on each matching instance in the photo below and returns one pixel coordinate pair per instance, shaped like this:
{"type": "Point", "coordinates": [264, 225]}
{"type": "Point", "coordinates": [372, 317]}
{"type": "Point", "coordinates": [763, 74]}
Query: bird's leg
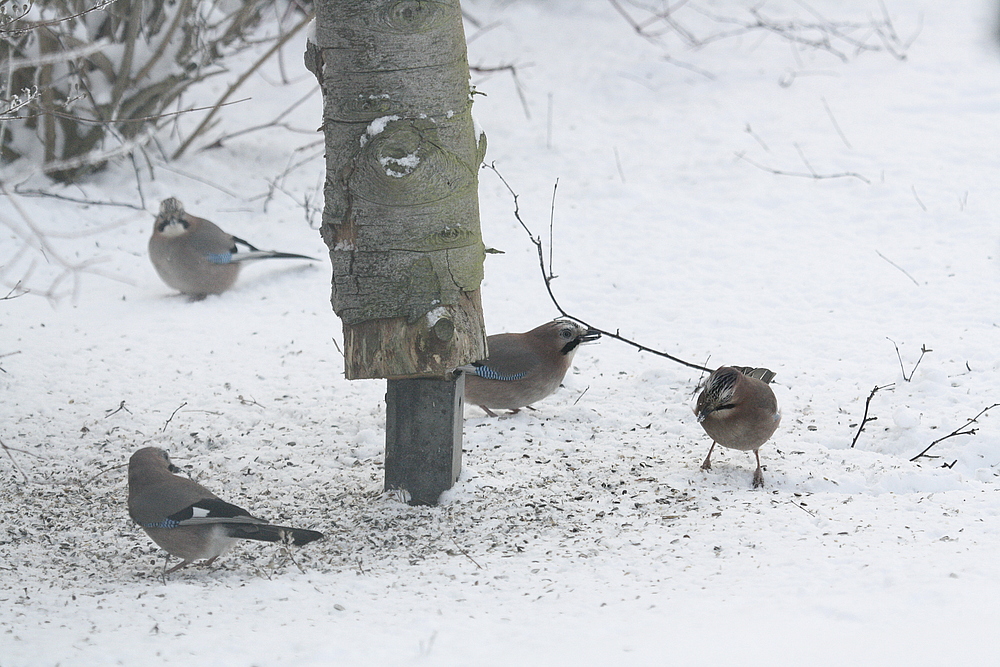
{"type": "Point", "coordinates": [758, 474]}
{"type": "Point", "coordinates": [174, 568]}
{"type": "Point", "coordinates": [488, 411]}
{"type": "Point", "coordinates": [707, 465]}
{"type": "Point", "coordinates": [208, 563]}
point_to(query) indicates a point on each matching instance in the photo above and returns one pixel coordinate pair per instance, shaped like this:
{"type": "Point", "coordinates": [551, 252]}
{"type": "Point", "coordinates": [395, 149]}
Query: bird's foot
{"type": "Point", "coordinates": [758, 478]}
{"type": "Point", "coordinates": [707, 463]}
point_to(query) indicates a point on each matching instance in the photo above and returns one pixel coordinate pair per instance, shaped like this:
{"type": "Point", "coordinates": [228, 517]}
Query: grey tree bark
{"type": "Point", "coordinates": [401, 219]}
{"type": "Point", "coordinates": [402, 211]}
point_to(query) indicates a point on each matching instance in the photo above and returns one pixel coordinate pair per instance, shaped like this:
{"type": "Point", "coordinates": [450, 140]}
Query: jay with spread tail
{"type": "Point", "coordinates": [195, 257]}
{"type": "Point", "coordinates": [738, 410]}
{"type": "Point", "coordinates": [524, 367]}
{"type": "Point", "coordinates": [189, 521]}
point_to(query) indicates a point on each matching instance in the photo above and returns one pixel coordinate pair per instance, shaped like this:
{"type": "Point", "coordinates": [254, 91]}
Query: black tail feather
{"type": "Point", "coordinates": [268, 533]}
{"type": "Point", "coordinates": [289, 255]}
{"type": "Point", "coordinates": [257, 253]}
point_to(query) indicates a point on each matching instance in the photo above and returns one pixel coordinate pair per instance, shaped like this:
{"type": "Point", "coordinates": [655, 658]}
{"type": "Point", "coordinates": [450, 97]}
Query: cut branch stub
{"type": "Point", "coordinates": [402, 211]}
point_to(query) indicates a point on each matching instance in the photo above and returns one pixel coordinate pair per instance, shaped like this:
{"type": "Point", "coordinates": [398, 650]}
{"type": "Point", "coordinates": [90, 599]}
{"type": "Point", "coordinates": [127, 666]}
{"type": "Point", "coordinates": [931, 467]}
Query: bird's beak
{"type": "Point", "coordinates": [590, 336]}
{"type": "Point", "coordinates": [703, 415]}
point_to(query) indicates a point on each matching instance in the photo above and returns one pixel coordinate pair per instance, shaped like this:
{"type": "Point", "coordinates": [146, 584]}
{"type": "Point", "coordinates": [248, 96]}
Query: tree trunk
{"type": "Point", "coordinates": [402, 210]}
{"type": "Point", "coordinates": [402, 219]}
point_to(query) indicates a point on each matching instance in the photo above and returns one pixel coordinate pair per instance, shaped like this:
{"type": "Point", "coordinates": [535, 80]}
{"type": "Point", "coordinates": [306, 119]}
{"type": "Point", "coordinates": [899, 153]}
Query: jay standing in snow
{"type": "Point", "coordinates": [195, 257]}
{"type": "Point", "coordinates": [189, 521]}
{"type": "Point", "coordinates": [738, 410]}
{"type": "Point", "coordinates": [524, 367]}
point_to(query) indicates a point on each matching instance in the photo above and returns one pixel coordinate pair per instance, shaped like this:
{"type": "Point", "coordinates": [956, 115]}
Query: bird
{"type": "Point", "coordinates": [524, 367]}
{"type": "Point", "coordinates": [195, 257]}
{"type": "Point", "coordinates": [189, 521]}
{"type": "Point", "coordinates": [738, 410]}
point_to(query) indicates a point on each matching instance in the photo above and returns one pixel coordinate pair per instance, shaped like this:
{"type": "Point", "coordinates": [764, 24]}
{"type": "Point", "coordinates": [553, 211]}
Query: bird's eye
{"type": "Point", "coordinates": [566, 333]}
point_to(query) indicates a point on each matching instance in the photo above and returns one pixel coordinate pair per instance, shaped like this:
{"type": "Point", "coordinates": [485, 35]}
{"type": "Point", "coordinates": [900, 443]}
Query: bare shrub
{"type": "Point", "coordinates": [84, 82]}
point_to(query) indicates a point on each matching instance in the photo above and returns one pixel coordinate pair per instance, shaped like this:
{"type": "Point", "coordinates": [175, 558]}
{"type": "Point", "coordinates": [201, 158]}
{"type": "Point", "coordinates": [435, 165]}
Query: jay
{"type": "Point", "coordinates": [195, 257]}
{"type": "Point", "coordinates": [189, 521]}
{"type": "Point", "coordinates": [524, 367]}
{"type": "Point", "coordinates": [738, 410]}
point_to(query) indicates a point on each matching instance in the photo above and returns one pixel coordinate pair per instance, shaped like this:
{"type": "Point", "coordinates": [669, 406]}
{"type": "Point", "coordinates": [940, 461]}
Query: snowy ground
{"type": "Point", "coordinates": [584, 532]}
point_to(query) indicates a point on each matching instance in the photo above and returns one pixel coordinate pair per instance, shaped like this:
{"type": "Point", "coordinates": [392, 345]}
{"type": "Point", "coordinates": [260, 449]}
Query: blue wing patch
{"type": "Point", "coordinates": [490, 374]}
{"type": "Point", "coordinates": [166, 523]}
{"type": "Point", "coordinates": [220, 257]}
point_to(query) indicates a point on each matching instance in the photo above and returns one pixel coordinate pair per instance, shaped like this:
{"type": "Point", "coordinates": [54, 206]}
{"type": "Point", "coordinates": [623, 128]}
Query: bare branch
{"type": "Point", "coordinates": [923, 351]}
{"type": "Point", "coordinates": [176, 410]}
{"type": "Point", "coordinates": [121, 406]}
{"type": "Point", "coordinates": [812, 175]}
{"type": "Point", "coordinates": [836, 125]}
{"type": "Point", "coordinates": [17, 31]}
{"type": "Point", "coordinates": [206, 123]}
{"type": "Point", "coordinates": [898, 267]}
{"type": "Point", "coordinates": [480, 69]}
{"type": "Point", "coordinates": [865, 418]}
{"type": "Point", "coordinates": [961, 430]}
{"type": "Point", "coordinates": [697, 24]}
{"type": "Point", "coordinates": [548, 278]}
{"type": "Point", "coordinates": [35, 239]}
{"type": "Point", "coordinates": [7, 450]}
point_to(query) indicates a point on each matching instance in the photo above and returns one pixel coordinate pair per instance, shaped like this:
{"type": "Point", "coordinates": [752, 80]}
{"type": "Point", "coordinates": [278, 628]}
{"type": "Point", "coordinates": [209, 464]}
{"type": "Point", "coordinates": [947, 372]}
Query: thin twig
{"type": "Point", "coordinates": [11, 295]}
{"type": "Point", "coordinates": [749, 130]}
{"type": "Point", "coordinates": [75, 200]}
{"type": "Point", "coordinates": [552, 219]}
{"type": "Point", "coordinates": [958, 431]}
{"type": "Point", "coordinates": [518, 88]}
{"type": "Point", "coordinates": [274, 123]}
{"type": "Point", "coordinates": [807, 511]}
{"type": "Point", "coordinates": [465, 553]}
{"type": "Point", "coordinates": [172, 416]}
{"type": "Point", "coordinates": [101, 472]}
{"type": "Point", "coordinates": [805, 160]}
{"type": "Point", "coordinates": [122, 121]}
{"type": "Point", "coordinates": [35, 239]}
{"type": "Point", "coordinates": [618, 164]}
{"type": "Point", "coordinates": [798, 174]}
{"type": "Point", "coordinates": [121, 406]}
{"type": "Point", "coordinates": [9, 354]}
{"type": "Point", "coordinates": [7, 450]}
{"type": "Point", "coordinates": [99, 6]}
{"type": "Point", "coordinates": [923, 351]}
{"type": "Point", "coordinates": [898, 267]}
{"type": "Point", "coordinates": [836, 125]}
{"type": "Point", "coordinates": [280, 42]}
{"type": "Point", "coordinates": [865, 419]}
{"type": "Point", "coordinates": [547, 277]}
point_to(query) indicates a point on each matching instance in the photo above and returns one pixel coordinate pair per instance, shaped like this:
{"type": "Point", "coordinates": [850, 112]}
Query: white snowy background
{"type": "Point", "coordinates": [584, 532]}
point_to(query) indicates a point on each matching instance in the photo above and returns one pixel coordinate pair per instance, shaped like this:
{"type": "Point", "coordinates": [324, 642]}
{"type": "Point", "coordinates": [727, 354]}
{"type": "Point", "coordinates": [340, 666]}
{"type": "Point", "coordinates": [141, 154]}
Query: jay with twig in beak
{"type": "Point", "coordinates": [523, 368]}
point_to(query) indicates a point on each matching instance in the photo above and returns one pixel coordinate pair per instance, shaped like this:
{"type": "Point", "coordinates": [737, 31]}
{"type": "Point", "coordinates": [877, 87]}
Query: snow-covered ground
{"type": "Point", "coordinates": [583, 532]}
